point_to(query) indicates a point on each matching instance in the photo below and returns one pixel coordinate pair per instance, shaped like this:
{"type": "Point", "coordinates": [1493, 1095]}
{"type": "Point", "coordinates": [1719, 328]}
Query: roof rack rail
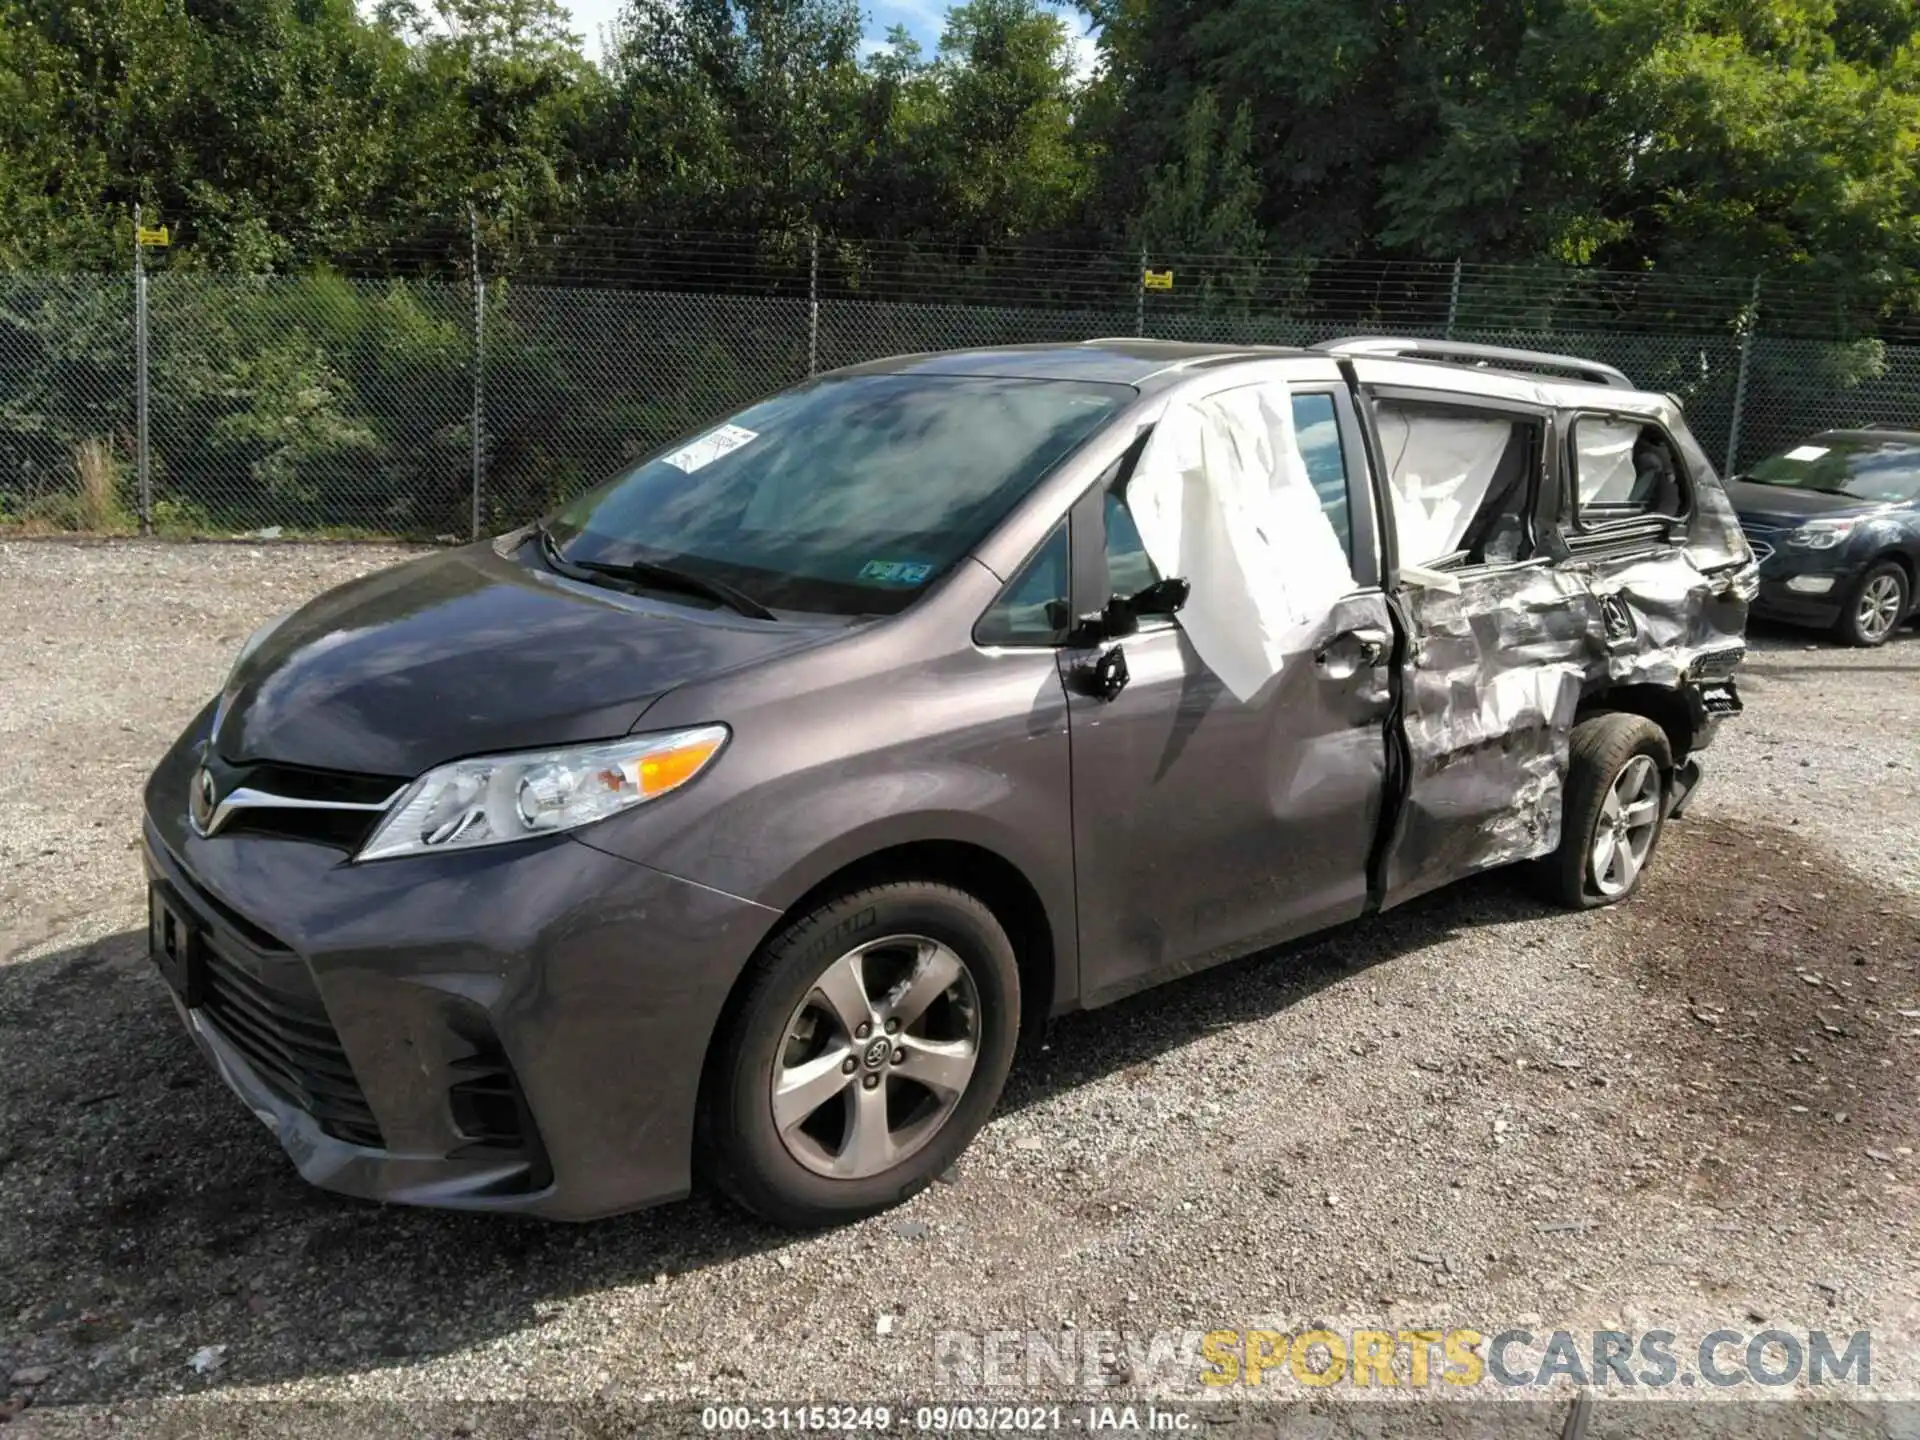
{"type": "Point", "coordinates": [1397, 346]}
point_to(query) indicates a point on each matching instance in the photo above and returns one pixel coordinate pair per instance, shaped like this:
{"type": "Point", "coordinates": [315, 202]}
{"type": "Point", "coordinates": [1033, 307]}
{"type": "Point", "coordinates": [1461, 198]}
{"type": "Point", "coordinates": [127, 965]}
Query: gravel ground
{"type": "Point", "coordinates": [1691, 1112]}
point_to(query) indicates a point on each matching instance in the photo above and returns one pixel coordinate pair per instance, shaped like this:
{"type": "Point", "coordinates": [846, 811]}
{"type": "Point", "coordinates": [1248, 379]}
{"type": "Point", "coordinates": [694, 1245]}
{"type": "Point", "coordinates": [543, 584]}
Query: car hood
{"type": "Point", "coordinates": [1786, 506]}
{"type": "Point", "coordinates": [466, 652]}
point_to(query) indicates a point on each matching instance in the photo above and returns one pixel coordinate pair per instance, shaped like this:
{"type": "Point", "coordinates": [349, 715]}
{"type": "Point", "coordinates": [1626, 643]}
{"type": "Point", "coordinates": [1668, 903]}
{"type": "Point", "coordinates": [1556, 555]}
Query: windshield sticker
{"type": "Point", "coordinates": [1807, 452]}
{"type": "Point", "coordinates": [710, 447]}
{"type": "Point", "coordinates": [897, 572]}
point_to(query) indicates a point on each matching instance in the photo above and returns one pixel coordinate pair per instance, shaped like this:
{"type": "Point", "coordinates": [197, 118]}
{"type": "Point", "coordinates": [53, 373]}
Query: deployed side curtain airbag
{"type": "Point", "coordinates": [1605, 460]}
{"type": "Point", "coordinates": [1439, 468]}
{"type": "Point", "coordinates": [1222, 499]}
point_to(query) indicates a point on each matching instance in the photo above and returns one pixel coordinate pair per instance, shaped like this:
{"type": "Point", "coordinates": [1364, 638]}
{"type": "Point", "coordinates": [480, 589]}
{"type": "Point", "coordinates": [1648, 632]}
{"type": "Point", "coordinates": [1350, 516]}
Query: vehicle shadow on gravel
{"type": "Point", "coordinates": [148, 1216]}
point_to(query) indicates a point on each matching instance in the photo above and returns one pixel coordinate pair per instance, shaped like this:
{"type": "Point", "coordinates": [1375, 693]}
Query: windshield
{"type": "Point", "coordinates": [1868, 468]}
{"type": "Point", "coordinates": [848, 495]}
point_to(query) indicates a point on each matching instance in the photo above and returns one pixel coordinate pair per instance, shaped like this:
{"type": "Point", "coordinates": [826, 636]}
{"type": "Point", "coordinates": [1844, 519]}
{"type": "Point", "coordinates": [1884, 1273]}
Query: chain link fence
{"type": "Point", "coordinates": [424, 405]}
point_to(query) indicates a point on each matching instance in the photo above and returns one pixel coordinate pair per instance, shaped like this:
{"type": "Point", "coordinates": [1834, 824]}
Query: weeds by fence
{"type": "Point", "coordinates": [406, 400]}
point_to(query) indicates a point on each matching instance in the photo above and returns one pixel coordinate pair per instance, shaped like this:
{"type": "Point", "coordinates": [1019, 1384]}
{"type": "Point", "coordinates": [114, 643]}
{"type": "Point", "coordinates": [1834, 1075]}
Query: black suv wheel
{"type": "Point", "coordinates": [1875, 606]}
{"type": "Point", "coordinates": [867, 1051]}
{"type": "Point", "coordinates": [1615, 806]}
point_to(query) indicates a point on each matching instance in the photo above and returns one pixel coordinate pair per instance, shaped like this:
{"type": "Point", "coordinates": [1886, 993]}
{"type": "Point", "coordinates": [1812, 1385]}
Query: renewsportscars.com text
{"type": "Point", "coordinates": [1403, 1359]}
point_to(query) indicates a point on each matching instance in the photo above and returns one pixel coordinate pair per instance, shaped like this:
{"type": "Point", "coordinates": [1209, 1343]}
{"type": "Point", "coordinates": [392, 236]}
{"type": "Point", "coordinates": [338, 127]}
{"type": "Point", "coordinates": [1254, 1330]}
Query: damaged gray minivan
{"type": "Point", "coordinates": [738, 817]}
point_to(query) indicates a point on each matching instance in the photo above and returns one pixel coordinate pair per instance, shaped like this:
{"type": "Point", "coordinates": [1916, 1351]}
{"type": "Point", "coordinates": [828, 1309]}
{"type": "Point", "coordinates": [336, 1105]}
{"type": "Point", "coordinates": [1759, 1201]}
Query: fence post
{"type": "Point", "coordinates": [1747, 324]}
{"type": "Point", "coordinates": [1140, 296]}
{"type": "Point", "coordinates": [813, 300]}
{"type": "Point", "coordinates": [479, 425]}
{"type": "Point", "coordinates": [1453, 299]}
{"type": "Point", "coordinates": [142, 467]}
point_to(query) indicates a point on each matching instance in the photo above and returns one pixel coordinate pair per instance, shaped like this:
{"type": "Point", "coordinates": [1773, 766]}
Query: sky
{"type": "Point", "coordinates": [924, 19]}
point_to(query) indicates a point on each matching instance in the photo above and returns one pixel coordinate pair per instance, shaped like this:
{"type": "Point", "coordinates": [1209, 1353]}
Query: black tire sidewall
{"type": "Point", "coordinates": [1850, 616]}
{"type": "Point", "coordinates": [1600, 749]}
{"type": "Point", "coordinates": [750, 1160]}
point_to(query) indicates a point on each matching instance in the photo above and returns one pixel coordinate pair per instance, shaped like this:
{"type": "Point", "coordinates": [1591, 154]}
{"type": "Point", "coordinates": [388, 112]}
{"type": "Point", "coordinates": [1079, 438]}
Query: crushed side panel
{"type": "Point", "coordinates": [1492, 686]}
{"type": "Point", "coordinates": [1499, 673]}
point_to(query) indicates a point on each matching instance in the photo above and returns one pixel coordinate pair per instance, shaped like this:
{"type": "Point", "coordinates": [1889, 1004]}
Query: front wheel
{"type": "Point", "coordinates": [1614, 808]}
{"type": "Point", "coordinates": [1875, 606]}
{"type": "Point", "coordinates": [866, 1052]}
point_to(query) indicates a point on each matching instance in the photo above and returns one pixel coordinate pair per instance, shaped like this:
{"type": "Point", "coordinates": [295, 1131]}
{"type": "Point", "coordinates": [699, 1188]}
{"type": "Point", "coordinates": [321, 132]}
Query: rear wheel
{"type": "Point", "coordinates": [1614, 810]}
{"type": "Point", "coordinates": [1875, 606]}
{"type": "Point", "coordinates": [865, 1054]}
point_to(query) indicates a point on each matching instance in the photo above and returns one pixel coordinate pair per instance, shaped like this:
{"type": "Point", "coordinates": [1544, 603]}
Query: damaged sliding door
{"type": "Point", "coordinates": [1497, 647]}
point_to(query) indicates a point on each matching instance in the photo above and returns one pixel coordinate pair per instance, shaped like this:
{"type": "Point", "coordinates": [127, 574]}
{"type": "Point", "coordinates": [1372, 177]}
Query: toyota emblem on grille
{"type": "Point", "coordinates": [202, 797]}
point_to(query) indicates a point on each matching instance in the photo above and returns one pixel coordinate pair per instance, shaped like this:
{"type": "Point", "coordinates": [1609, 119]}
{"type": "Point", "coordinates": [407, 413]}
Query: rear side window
{"type": "Point", "coordinates": [1624, 468]}
{"type": "Point", "coordinates": [1462, 481]}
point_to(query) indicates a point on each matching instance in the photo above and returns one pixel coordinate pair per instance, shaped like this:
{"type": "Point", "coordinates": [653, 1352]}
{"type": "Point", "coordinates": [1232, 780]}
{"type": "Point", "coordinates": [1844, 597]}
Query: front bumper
{"type": "Point", "coordinates": [1776, 602]}
{"type": "Point", "coordinates": [515, 1029]}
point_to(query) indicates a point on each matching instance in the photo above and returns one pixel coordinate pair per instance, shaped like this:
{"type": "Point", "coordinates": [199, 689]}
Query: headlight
{"type": "Point", "coordinates": [499, 798]}
{"type": "Point", "coordinates": [1822, 534]}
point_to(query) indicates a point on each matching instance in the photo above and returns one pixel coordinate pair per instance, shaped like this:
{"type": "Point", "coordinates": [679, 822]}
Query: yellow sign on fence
{"type": "Point", "coordinates": [1156, 279]}
{"type": "Point", "coordinates": [150, 235]}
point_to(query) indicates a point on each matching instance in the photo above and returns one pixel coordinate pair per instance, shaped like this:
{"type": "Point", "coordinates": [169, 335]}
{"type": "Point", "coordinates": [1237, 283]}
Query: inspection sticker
{"type": "Point", "coordinates": [710, 447]}
{"type": "Point", "coordinates": [1807, 452]}
{"type": "Point", "coordinates": [900, 572]}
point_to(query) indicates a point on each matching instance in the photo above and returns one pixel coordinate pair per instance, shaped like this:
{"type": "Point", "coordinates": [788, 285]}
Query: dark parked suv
{"type": "Point", "coordinates": [742, 814]}
{"type": "Point", "coordinates": [1835, 525]}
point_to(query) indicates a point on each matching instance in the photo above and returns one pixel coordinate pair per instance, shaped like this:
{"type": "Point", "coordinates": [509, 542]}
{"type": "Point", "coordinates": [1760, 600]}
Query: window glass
{"type": "Point", "coordinates": [847, 495]}
{"type": "Point", "coordinates": [1461, 480]}
{"type": "Point", "coordinates": [1129, 571]}
{"type": "Point", "coordinates": [1021, 615]}
{"type": "Point", "coordinates": [1625, 467]}
{"type": "Point", "coordinates": [1863, 466]}
{"type": "Point", "coordinates": [1316, 431]}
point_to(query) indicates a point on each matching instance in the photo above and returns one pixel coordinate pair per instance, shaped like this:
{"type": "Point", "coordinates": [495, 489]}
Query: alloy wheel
{"type": "Point", "coordinates": [876, 1057]}
{"type": "Point", "coordinates": [1879, 606]}
{"type": "Point", "coordinates": [1628, 817]}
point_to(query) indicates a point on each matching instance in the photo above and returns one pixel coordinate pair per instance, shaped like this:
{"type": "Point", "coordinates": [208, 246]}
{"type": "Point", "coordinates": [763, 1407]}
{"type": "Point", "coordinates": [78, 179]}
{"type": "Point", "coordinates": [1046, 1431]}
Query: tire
{"type": "Point", "coordinates": [1875, 605]}
{"type": "Point", "coordinates": [792, 1036]}
{"type": "Point", "coordinates": [1600, 753]}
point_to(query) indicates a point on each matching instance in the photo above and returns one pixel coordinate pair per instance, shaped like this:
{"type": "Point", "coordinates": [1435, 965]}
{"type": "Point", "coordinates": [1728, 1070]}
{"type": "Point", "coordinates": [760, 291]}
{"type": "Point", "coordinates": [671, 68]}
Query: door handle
{"type": "Point", "coordinates": [1351, 650]}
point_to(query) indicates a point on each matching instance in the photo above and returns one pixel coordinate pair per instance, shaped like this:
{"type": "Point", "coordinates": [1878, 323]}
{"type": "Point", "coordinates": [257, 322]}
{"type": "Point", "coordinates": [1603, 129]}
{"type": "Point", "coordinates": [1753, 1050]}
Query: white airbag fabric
{"type": "Point", "coordinates": [1439, 468]}
{"type": "Point", "coordinates": [1605, 453]}
{"type": "Point", "coordinates": [1222, 499]}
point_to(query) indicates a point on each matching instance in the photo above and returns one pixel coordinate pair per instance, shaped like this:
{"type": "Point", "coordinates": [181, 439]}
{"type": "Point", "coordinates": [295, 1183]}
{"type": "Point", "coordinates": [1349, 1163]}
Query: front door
{"type": "Point", "coordinates": [1204, 825]}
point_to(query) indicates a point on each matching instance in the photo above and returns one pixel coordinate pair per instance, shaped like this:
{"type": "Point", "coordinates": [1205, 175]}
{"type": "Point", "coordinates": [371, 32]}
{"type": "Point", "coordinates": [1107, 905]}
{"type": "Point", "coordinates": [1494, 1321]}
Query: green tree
{"type": "Point", "coordinates": [740, 114]}
{"type": "Point", "coordinates": [1008, 161]}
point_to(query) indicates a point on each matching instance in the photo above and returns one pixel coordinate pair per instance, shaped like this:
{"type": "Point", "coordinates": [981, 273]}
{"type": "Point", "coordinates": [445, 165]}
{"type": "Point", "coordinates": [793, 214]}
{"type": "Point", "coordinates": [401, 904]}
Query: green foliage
{"type": "Point", "coordinates": [290, 138]}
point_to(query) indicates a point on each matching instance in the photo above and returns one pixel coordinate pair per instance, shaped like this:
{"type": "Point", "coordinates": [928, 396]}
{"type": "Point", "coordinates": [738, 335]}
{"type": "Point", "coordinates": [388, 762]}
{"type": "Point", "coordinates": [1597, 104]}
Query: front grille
{"type": "Point", "coordinates": [343, 829]}
{"type": "Point", "coordinates": [285, 1035]}
{"type": "Point", "coordinates": [1761, 539]}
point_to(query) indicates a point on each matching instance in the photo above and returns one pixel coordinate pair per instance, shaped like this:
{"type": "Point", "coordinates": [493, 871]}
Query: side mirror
{"type": "Point", "coordinates": [1115, 621]}
{"type": "Point", "coordinates": [1163, 597]}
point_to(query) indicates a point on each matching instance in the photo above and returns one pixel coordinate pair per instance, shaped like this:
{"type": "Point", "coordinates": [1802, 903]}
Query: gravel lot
{"type": "Point", "coordinates": [1695, 1111]}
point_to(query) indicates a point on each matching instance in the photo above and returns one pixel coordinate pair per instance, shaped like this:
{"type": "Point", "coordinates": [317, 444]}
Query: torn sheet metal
{"type": "Point", "coordinates": [1222, 499]}
{"type": "Point", "coordinates": [1502, 667]}
{"type": "Point", "coordinates": [1492, 689]}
